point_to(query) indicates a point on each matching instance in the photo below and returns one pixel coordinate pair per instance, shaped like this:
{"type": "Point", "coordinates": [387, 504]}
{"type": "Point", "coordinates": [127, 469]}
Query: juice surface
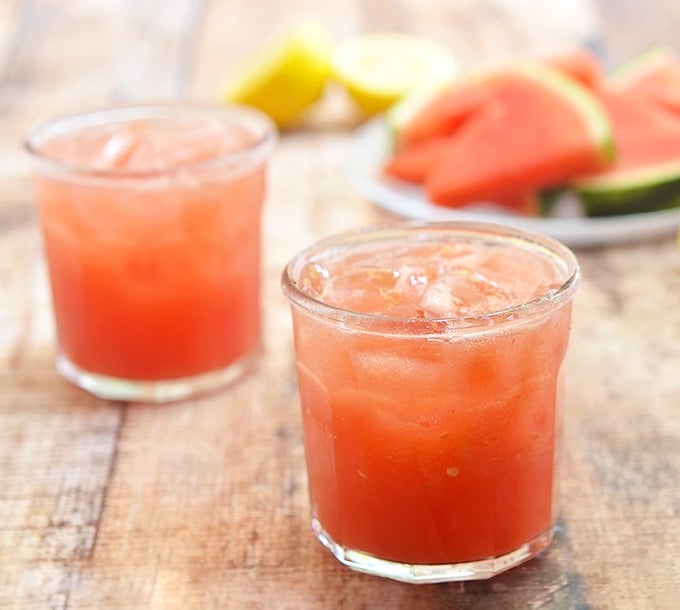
{"type": "Point", "coordinates": [153, 279]}
{"type": "Point", "coordinates": [425, 280]}
{"type": "Point", "coordinates": [438, 448]}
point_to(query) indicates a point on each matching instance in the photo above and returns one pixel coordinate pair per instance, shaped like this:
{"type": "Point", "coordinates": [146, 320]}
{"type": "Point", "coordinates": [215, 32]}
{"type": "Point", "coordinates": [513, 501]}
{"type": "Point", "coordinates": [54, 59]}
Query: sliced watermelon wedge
{"type": "Point", "coordinates": [512, 132]}
{"type": "Point", "coordinates": [446, 112]}
{"type": "Point", "coordinates": [413, 163]}
{"type": "Point", "coordinates": [655, 70]}
{"type": "Point", "coordinates": [654, 76]}
{"type": "Point", "coordinates": [643, 101]}
{"type": "Point", "coordinates": [578, 64]}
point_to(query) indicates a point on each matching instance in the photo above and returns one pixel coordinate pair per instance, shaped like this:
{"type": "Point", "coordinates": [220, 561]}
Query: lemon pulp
{"type": "Point", "coordinates": [381, 68]}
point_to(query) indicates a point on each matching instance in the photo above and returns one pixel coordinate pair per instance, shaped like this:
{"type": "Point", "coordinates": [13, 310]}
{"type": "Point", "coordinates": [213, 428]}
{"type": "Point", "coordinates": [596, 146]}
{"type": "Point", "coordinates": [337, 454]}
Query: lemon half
{"type": "Point", "coordinates": [286, 76]}
{"type": "Point", "coordinates": [380, 69]}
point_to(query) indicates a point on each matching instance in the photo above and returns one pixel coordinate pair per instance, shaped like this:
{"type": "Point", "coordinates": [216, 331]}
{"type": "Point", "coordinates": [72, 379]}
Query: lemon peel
{"type": "Point", "coordinates": [285, 77]}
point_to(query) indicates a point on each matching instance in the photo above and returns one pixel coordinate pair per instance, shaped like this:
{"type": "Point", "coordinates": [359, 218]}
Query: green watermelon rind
{"type": "Point", "coordinates": [637, 68]}
{"type": "Point", "coordinates": [648, 189]}
{"type": "Point", "coordinates": [581, 100]}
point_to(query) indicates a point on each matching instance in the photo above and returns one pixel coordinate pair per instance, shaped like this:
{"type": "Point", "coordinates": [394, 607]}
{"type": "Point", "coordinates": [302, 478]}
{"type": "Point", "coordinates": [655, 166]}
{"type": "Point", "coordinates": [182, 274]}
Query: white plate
{"type": "Point", "coordinates": [371, 144]}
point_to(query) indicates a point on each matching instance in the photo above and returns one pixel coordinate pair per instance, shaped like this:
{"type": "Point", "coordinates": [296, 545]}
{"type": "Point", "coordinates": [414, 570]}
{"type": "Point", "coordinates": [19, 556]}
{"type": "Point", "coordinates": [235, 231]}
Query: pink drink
{"type": "Point", "coordinates": [428, 360]}
{"type": "Point", "coordinates": [151, 223]}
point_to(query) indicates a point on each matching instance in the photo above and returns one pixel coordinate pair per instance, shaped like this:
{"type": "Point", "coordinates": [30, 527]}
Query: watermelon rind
{"type": "Point", "coordinates": [549, 198]}
{"type": "Point", "coordinates": [633, 191]}
{"type": "Point", "coordinates": [633, 71]}
{"type": "Point", "coordinates": [581, 100]}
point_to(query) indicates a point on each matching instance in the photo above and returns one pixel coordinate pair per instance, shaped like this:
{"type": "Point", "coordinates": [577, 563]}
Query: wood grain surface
{"type": "Point", "coordinates": [203, 504]}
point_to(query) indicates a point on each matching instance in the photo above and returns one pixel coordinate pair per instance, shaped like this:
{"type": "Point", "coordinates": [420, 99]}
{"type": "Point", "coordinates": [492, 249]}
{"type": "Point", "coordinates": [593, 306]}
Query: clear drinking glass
{"type": "Point", "coordinates": [428, 363]}
{"type": "Point", "coordinates": [150, 217]}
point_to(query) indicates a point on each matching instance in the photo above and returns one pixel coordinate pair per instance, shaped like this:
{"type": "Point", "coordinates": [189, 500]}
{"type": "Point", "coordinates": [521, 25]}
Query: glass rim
{"type": "Point", "coordinates": [487, 322]}
{"type": "Point", "coordinates": [241, 160]}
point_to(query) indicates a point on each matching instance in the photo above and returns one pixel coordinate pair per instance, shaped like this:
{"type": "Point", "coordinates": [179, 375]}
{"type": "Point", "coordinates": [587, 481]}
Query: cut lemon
{"type": "Point", "coordinates": [379, 69]}
{"type": "Point", "coordinates": [286, 76]}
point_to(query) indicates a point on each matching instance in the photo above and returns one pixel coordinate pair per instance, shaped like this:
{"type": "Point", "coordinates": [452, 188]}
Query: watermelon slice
{"type": "Point", "coordinates": [643, 101]}
{"type": "Point", "coordinates": [654, 76]}
{"type": "Point", "coordinates": [413, 163]}
{"type": "Point", "coordinates": [449, 108]}
{"type": "Point", "coordinates": [509, 133]}
{"type": "Point", "coordinates": [578, 64]}
{"type": "Point", "coordinates": [446, 112]}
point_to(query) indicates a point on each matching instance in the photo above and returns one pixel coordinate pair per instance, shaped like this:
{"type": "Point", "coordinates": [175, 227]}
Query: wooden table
{"type": "Point", "coordinates": [203, 504]}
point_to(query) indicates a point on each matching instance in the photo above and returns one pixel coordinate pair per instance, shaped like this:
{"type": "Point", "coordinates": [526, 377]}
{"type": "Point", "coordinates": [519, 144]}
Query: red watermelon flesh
{"type": "Point", "coordinates": [645, 133]}
{"type": "Point", "coordinates": [645, 112]}
{"type": "Point", "coordinates": [446, 113]}
{"type": "Point", "coordinates": [578, 64]}
{"type": "Point", "coordinates": [524, 138]}
{"type": "Point", "coordinates": [413, 162]}
{"type": "Point", "coordinates": [643, 103]}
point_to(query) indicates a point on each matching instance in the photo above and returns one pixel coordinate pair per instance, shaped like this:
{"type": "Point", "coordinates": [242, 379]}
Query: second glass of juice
{"type": "Point", "coordinates": [150, 217]}
{"type": "Point", "coordinates": [428, 360]}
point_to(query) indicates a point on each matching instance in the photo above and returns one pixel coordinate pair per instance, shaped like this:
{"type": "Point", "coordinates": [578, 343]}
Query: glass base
{"type": "Point", "coordinates": [432, 573]}
{"type": "Point", "coordinates": [113, 388]}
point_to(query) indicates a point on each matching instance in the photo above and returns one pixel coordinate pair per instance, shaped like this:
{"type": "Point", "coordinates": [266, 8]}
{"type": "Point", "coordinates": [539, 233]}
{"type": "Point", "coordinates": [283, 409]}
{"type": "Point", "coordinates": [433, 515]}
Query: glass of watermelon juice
{"type": "Point", "coordinates": [428, 359]}
{"type": "Point", "coordinates": [150, 217]}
